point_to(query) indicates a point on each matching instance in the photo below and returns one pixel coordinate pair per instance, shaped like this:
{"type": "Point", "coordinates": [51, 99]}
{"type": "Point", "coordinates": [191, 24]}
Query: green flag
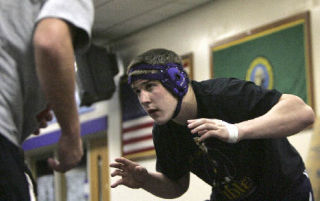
{"type": "Point", "coordinates": [274, 58]}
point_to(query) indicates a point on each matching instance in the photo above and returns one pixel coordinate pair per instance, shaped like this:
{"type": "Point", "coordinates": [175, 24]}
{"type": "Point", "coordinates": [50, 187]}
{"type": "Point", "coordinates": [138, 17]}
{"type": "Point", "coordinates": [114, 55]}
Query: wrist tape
{"type": "Point", "coordinates": [233, 132]}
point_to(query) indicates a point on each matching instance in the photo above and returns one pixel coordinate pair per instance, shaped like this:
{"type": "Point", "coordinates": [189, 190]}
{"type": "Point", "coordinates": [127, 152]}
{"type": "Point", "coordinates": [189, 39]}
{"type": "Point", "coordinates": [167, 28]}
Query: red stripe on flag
{"type": "Point", "coordinates": [138, 139]}
{"type": "Point", "coordinates": [140, 126]}
{"type": "Point", "coordinates": [138, 150]}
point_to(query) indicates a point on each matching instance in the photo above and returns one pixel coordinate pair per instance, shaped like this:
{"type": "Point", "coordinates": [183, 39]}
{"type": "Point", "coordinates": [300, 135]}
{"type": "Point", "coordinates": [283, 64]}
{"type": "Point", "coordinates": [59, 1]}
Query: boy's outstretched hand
{"type": "Point", "coordinates": [132, 174]}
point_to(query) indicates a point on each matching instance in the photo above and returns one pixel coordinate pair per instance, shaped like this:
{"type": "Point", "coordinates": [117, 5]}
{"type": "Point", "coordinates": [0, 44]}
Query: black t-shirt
{"type": "Point", "coordinates": [252, 170]}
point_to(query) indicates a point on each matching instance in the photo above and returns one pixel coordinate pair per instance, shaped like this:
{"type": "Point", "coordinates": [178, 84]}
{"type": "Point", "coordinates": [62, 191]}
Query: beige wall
{"type": "Point", "coordinates": [194, 32]}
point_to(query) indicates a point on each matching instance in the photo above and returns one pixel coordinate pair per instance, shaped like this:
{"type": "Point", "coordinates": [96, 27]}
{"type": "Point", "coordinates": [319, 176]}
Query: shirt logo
{"type": "Point", "coordinates": [227, 184]}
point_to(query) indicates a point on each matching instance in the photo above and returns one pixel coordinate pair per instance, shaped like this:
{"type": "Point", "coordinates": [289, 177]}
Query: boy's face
{"type": "Point", "coordinates": [155, 99]}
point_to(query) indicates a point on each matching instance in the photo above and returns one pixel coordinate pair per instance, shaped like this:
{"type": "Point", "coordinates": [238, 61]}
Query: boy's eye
{"type": "Point", "coordinates": [136, 91]}
{"type": "Point", "coordinates": [149, 86]}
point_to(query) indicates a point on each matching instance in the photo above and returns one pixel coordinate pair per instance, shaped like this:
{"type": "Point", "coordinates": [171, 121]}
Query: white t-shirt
{"type": "Point", "coordinates": [20, 96]}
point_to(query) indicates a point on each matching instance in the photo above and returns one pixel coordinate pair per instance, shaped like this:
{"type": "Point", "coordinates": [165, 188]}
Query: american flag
{"type": "Point", "coordinates": [136, 125]}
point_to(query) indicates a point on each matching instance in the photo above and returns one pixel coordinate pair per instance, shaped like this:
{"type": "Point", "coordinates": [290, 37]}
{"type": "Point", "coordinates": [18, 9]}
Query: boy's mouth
{"type": "Point", "coordinates": [152, 111]}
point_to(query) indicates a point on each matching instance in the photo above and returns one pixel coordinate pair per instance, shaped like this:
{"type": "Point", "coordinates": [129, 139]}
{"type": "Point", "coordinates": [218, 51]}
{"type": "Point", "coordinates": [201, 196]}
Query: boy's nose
{"type": "Point", "coordinates": [144, 97]}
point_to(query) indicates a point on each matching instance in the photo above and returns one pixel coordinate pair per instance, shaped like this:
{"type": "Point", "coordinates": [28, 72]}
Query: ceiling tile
{"type": "Point", "coordinates": [115, 19]}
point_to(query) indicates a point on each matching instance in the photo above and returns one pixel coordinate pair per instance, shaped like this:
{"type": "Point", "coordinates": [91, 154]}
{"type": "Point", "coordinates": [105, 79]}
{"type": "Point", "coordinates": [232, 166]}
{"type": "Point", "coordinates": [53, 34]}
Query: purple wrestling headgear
{"type": "Point", "coordinates": [171, 75]}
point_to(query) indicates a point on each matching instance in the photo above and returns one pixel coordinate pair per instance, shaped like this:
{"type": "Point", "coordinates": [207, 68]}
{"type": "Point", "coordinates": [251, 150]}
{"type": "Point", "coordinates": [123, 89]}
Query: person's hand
{"type": "Point", "coordinates": [132, 174]}
{"type": "Point", "coordinates": [70, 152]}
{"type": "Point", "coordinates": [208, 128]}
{"type": "Point", "coordinates": [43, 117]}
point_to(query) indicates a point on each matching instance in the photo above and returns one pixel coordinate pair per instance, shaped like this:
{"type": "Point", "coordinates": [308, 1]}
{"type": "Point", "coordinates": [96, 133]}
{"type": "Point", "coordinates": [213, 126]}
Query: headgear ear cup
{"type": "Point", "coordinates": [174, 75]}
{"type": "Point", "coordinates": [177, 83]}
{"type": "Point", "coordinates": [178, 80]}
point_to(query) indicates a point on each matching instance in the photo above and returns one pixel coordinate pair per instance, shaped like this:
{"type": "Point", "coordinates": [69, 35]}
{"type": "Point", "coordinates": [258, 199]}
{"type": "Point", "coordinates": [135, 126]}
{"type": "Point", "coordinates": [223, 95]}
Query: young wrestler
{"type": "Point", "coordinates": [231, 133]}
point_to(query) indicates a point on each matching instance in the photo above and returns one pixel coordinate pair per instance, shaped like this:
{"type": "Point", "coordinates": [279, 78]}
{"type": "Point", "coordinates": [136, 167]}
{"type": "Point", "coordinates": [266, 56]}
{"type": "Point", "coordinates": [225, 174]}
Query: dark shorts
{"type": "Point", "coordinates": [13, 182]}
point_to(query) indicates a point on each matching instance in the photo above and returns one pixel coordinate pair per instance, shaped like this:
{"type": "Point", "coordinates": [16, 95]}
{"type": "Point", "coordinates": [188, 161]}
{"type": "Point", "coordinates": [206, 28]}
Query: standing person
{"type": "Point", "coordinates": [230, 133]}
{"type": "Point", "coordinates": [37, 43]}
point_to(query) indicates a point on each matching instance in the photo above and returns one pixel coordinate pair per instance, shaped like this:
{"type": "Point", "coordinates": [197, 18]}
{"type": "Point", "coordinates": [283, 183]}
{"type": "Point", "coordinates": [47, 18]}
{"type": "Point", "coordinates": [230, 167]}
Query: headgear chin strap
{"type": "Point", "coordinates": [171, 75]}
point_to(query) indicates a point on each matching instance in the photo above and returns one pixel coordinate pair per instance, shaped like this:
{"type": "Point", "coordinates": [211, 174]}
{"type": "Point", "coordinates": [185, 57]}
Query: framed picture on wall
{"type": "Point", "coordinates": [277, 55]}
{"type": "Point", "coordinates": [187, 62]}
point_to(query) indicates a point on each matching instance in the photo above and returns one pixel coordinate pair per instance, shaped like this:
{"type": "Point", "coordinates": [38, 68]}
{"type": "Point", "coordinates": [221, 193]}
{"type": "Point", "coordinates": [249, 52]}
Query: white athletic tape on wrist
{"type": "Point", "coordinates": [233, 132]}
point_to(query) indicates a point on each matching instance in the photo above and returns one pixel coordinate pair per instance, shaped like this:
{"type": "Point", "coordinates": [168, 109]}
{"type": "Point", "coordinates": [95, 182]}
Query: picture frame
{"type": "Point", "coordinates": [277, 55]}
{"type": "Point", "coordinates": [187, 63]}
